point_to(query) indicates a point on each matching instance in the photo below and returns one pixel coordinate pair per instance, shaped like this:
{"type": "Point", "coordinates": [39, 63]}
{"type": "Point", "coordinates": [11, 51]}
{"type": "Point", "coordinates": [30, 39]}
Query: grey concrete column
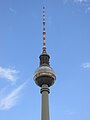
{"type": "Point", "coordinates": [45, 103]}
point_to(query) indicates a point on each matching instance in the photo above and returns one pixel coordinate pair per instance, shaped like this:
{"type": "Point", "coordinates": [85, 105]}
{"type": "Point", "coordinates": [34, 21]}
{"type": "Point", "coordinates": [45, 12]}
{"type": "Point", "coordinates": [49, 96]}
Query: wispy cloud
{"type": "Point", "coordinates": [86, 65]}
{"type": "Point", "coordinates": [11, 99]}
{"type": "Point", "coordinates": [12, 10]}
{"type": "Point", "coordinates": [76, 1]}
{"type": "Point", "coordinates": [81, 1]}
{"type": "Point", "coordinates": [9, 74]}
{"type": "Point", "coordinates": [85, 4]}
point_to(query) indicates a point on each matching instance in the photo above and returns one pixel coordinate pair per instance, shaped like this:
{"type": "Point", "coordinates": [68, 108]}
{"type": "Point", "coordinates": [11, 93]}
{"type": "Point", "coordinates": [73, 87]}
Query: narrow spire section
{"type": "Point", "coordinates": [44, 32]}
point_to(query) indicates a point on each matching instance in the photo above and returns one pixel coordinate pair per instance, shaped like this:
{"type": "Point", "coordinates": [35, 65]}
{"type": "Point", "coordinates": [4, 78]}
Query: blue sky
{"type": "Point", "coordinates": [68, 43]}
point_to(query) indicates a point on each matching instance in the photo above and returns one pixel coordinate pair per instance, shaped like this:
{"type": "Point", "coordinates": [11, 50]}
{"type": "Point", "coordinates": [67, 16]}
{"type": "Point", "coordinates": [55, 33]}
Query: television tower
{"type": "Point", "coordinates": [44, 76]}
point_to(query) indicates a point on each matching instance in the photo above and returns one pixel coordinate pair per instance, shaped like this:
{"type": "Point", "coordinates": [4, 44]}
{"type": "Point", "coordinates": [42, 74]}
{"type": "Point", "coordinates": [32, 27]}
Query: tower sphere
{"type": "Point", "coordinates": [44, 75]}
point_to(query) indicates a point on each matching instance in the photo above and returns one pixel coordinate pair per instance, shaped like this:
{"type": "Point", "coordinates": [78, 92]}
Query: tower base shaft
{"type": "Point", "coordinates": [45, 103]}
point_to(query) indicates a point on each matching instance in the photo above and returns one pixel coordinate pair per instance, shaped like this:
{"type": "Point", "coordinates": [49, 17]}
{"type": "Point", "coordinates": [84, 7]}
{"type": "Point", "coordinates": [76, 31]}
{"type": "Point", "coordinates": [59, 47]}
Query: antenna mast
{"type": "Point", "coordinates": [44, 32]}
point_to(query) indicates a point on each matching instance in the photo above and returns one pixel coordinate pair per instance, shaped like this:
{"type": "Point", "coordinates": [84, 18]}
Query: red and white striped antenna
{"type": "Point", "coordinates": [44, 31]}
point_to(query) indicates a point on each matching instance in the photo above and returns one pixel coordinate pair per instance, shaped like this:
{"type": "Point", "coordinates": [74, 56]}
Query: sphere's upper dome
{"type": "Point", "coordinates": [44, 75]}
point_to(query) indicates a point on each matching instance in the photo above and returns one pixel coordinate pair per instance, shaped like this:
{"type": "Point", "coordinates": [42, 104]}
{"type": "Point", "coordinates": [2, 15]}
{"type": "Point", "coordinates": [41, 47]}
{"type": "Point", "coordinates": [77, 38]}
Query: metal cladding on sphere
{"type": "Point", "coordinates": [44, 75]}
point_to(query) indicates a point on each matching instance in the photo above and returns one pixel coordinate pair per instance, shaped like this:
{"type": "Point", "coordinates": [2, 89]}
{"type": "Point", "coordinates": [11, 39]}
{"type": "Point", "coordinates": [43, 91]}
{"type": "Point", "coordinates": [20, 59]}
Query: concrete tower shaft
{"type": "Point", "coordinates": [45, 103]}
